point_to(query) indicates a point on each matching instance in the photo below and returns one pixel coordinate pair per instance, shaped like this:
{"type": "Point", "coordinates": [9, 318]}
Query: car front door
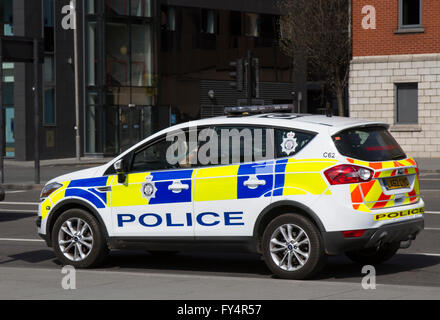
{"type": "Point", "coordinates": [156, 198]}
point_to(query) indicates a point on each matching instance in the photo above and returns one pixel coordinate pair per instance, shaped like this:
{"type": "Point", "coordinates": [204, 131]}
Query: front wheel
{"type": "Point", "coordinates": [293, 247]}
{"type": "Point", "coordinates": [78, 240]}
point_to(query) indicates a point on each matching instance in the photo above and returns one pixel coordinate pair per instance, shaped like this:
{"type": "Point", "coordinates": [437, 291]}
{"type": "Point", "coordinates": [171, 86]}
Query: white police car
{"type": "Point", "coordinates": [292, 187]}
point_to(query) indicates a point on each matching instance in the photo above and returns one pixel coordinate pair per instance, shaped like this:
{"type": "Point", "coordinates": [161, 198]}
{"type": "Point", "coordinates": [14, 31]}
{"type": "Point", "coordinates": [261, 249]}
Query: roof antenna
{"type": "Point", "coordinates": [328, 110]}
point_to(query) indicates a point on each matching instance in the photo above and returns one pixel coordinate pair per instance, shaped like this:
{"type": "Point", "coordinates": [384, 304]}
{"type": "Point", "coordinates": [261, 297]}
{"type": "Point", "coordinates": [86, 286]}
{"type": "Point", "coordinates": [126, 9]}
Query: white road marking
{"type": "Point", "coordinates": [16, 191]}
{"type": "Point", "coordinates": [18, 211]}
{"type": "Point", "coordinates": [432, 229]}
{"type": "Point", "coordinates": [21, 203]}
{"type": "Point", "coordinates": [427, 254]}
{"type": "Point", "coordinates": [21, 240]}
{"type": "Point", "coordinates": [432, 212]}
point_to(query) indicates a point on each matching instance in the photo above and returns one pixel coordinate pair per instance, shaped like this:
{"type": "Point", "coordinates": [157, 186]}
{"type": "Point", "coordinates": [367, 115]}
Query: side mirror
{"type": "Point", "coordinates": [119, 168]}
{"type": "Point", "coordinates": [119, 165]}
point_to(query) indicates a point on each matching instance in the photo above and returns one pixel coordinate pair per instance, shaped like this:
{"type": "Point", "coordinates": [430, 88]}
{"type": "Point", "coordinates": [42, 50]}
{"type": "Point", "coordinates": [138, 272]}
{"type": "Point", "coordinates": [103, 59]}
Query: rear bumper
{"type": "Point", "coordinates": [336, 243]}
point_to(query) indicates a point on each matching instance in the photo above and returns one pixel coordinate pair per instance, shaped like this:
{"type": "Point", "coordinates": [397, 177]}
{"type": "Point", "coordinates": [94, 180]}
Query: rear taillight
{"type": "Point", "coordinates": [353, 233]}
{"type": "Point", "coordinates": [346, 173]}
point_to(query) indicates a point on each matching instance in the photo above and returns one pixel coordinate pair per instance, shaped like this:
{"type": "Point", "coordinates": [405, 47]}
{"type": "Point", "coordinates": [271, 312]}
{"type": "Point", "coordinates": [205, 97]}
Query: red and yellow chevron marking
{"type": "Point", "coordinates": [369, 195]}
{"type": "Point", "coordinates": [384, 165]}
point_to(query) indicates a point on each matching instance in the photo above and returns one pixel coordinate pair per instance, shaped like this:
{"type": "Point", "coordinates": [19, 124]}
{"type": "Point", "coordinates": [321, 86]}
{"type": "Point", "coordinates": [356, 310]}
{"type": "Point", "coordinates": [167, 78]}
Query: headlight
{"type": "Point", "coordinates": [48, 189]}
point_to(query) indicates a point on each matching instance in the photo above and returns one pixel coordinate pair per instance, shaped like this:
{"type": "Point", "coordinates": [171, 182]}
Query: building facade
{"type": "Point", "coordinates": [143, 65]}
{"type": "Point", "coordinates": [395, 71]}
{"type": "Point", "coordinates": [42, 20]}
{"type": "Point", "coordinates": [151, 64]}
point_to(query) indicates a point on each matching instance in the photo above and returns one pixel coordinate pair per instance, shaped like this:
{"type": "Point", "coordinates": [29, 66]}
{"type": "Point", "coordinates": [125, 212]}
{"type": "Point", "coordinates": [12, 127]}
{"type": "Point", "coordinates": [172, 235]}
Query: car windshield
{"type": "Point", "coordinates": [368, 144]}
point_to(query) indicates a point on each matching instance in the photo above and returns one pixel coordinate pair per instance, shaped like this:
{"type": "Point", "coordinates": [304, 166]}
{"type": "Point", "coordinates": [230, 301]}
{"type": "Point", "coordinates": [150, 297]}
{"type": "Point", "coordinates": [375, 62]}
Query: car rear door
{"type": "Point", "coordinates": [229, 197]}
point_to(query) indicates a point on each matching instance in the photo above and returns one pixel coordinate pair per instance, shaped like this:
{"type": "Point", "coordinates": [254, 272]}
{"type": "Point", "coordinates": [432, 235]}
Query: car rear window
{"type": "Point", "coordinates": [368, 144]}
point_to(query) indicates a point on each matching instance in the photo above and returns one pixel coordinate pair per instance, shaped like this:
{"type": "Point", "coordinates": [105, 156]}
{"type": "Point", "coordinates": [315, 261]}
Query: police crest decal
{"type": "Point", "coordinates": [148, 189]}
{"type": "Point", "coordinates": [289, 143]}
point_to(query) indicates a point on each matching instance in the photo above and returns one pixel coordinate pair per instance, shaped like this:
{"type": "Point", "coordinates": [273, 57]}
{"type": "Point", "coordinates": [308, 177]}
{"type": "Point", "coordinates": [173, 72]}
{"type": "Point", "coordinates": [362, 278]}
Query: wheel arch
{"type": "Point", "coordinates": [68, 204]}
{"type": "Point", "coordinates": [278, 208]}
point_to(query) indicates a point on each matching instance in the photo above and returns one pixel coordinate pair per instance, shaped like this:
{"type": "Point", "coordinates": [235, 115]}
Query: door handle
{"type": "Point", "coordinates": [253, 182]}
{"type": "Point", "coordinates": [177, 187]}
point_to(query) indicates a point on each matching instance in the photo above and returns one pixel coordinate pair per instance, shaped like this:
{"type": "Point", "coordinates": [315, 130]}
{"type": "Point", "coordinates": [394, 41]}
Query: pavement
{"type": "Point", "coordinates": [19, 175]}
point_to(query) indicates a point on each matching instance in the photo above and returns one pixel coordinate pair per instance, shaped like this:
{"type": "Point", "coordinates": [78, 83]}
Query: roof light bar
{"type": "Point", "coordinates": [243, 110]}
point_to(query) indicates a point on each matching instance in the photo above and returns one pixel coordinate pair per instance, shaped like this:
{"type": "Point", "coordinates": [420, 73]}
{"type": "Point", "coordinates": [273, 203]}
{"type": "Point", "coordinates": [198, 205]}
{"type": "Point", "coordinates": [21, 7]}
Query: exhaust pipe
{"type": "Point", "coordinates": [405, 244]}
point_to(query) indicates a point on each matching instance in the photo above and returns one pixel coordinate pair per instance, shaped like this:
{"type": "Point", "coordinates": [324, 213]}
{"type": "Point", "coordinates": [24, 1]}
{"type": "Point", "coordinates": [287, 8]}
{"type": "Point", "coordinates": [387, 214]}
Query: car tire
{"type": "Point", "coordinates": [375, 255]}
{"type": "Point", "coordinates": [293, 247]}
{"type": "Point", "coordinates": [77, 239]}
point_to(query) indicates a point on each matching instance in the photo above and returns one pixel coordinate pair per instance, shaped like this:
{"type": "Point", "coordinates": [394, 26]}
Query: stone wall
{"type": "Point", "coordinates": [372, 91]}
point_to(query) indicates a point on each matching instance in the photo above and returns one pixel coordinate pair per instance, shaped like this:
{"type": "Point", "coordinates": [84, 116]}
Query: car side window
{"type": "Point", "coordinates": [172, 153]}
{"type": "Point", "coordinates": [240, 144]}
{"type": "Point", "coordinates": [289, 142]}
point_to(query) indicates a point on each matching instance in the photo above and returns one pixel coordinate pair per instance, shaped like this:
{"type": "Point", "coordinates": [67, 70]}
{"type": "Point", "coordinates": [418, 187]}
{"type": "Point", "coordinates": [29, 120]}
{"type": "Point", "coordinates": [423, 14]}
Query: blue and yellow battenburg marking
{"type": "Point", "coordinates": [130, 193]}
{"type": "Point", "coordinates": [228, 182]}
{"type": "Point", "coordinates": [87, 189]}
{"type": "Point", "coordinates": [301, 177]}
{"type": "Point", "coordinates": [278, 178]}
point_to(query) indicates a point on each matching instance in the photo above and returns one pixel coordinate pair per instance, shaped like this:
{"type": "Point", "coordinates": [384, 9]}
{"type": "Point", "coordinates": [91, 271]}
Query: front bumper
{"type": "Point", "coordinates": [336, 243]}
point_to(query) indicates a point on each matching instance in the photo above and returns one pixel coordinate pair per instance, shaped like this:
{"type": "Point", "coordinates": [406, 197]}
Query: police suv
{"type": "Point", "coordinates": [294, 188]}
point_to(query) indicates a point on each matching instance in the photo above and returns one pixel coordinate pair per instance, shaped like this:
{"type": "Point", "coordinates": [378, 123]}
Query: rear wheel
{"type": "Point", "coordinates": [375, 255]}
{"type": "Point", "coordinates": [292, 247]}
{"type": "Point", "coordinates": [77, 239]}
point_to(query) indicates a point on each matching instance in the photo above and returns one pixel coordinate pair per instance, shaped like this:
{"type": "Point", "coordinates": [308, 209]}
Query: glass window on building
{"type": "Point", "coordinates": [49, 91]}
{"type": "Point", "coordinates": [117, 7]}
{"type": "Point", "coordinates": [6, 14]}
{"type": "Point", "coordinates": [141, 40]}
{"type": "Point", "coordinates": [252, 25]}
{"type": "Point", "coordinates": [90, 9]}
{"type": "Point", "coordinates": [49, 25]}
{"type": "Point", "coordinates": [92, 53]}
{"type": "Point", "coordinates": [410, 13]}
{"type": "Point", "coordinates": [141, 8]}
{"type": "Point", "coordinates": [119, 75]}
{"type": "Point", "coordinates": [49, 106]}
{"type": "Point", "coordinates": [209, 21]}
{"type": "Point", "coordinates": [407, 103]}
{"type": "Point", "coordinates": [137, 8]}
{"type": "Point", "coordinates": [48, 69]}
{"type": "Point", "coordinates": [168, 18]}
{"type": "Point", "coordinates": [8, 107]}
{"type": "Point", "coordinates": [117, 54]}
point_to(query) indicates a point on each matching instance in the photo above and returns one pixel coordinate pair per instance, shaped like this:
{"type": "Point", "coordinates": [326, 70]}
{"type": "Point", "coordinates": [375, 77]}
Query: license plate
{"type": "Point", "coordinates": [397, 183]}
